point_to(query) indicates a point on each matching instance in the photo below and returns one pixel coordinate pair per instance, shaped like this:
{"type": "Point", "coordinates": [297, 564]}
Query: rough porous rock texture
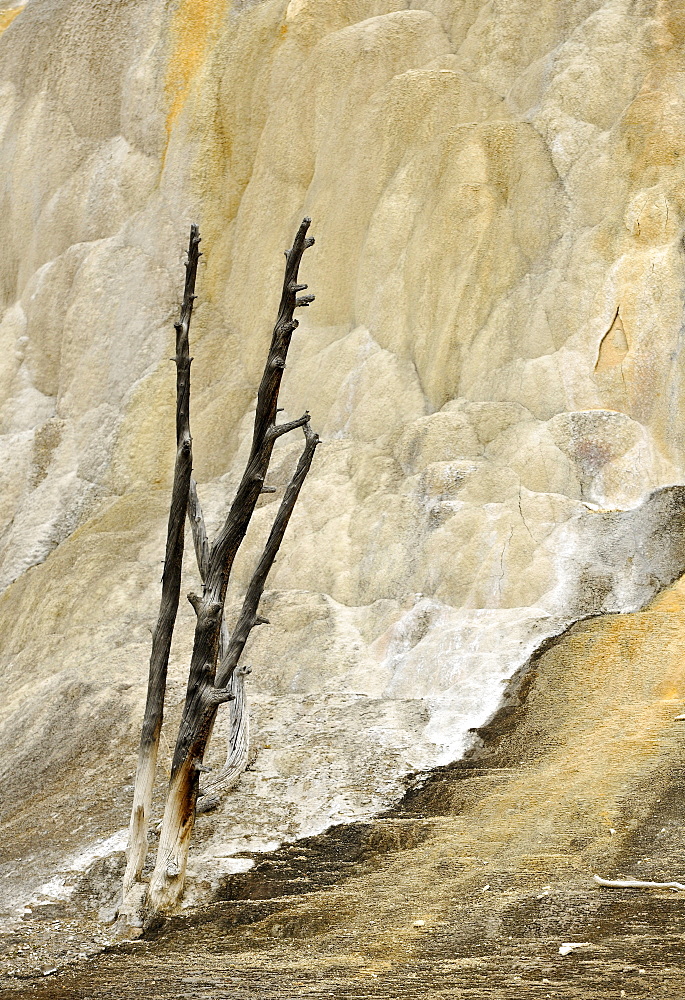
{"type": "Point", "coordinates": [493, 362]}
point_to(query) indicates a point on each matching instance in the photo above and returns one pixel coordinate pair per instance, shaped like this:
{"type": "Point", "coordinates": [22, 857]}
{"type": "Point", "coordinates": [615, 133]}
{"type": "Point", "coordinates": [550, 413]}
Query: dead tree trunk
{"type": "Point", "coordinates": [171, 588]}
{"type": "Point", "coordinates": [207, 683]}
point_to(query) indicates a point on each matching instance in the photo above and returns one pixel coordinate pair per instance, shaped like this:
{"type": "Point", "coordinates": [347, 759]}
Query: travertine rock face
{"type": "Point", "coordinates": [493, 362]}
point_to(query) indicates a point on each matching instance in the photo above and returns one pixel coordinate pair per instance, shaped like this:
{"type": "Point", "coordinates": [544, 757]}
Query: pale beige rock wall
{"type": "Point", "coordinates": [493, 362]}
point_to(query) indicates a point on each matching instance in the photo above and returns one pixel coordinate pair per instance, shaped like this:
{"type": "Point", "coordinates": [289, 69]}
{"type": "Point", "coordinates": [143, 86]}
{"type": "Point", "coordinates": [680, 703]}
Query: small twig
{"type": "Point", "coordinates": [636, 883]}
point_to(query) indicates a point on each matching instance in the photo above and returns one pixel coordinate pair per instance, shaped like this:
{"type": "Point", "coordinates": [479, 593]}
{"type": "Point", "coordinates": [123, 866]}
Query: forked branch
{"type": "Point", "coordinates": [229, 683]}
{"type": "Point", "coordinates": [239, 723]}
{"type": "Point", "coordinates": [206, 690]}
{"type": "Point", "coordinates": [224, 549]}
{"type": "Point", "coordinates": [226, 545]}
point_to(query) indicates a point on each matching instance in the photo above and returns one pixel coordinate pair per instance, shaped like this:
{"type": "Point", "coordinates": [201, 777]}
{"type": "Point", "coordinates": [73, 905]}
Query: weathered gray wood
{"type": "Point", "coordinates": [229, 674]}
{"type": "Point", "coordinates": [227, 543]}
{"type": "Point", "coordinates": [206, 690]}
{"type": "Point", "coordinates": [197, 524]}
{"type": "Point", "coordinates": [201, 544]}
{"type": "Point", "coordinates": [171, 583]}
{"type": "Point", "coordinates": [238, 752]}
{"type": "Point", "coordinates": [237, 756]}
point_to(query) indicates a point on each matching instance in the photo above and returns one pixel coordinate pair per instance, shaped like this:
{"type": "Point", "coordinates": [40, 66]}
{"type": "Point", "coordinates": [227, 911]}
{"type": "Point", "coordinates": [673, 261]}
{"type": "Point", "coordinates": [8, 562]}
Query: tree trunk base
{"type": "Point", "coordinates": [129, 922]}
{"type": "Point", "coordinates": [165, 891]}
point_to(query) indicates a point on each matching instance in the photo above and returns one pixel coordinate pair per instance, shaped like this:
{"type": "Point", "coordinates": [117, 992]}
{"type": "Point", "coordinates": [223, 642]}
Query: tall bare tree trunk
{"type": "Point", "coordinates": [207, 684]}
{"type": "Point", "coordinates": [171, 586]}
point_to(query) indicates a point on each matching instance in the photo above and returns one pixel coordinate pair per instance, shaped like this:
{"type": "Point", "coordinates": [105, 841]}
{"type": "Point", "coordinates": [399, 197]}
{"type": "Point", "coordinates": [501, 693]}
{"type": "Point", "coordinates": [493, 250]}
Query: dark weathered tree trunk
{"type": "Point", "coordinates": [207, 685]}
{"type": "Point", "coordinates": [171, 587]}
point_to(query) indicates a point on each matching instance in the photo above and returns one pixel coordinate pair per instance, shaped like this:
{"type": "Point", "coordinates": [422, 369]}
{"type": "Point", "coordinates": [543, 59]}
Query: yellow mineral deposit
{"type": "Point", "coordinates": [7, 16]}
{"type": "Point", "coordinates": [191, 33]}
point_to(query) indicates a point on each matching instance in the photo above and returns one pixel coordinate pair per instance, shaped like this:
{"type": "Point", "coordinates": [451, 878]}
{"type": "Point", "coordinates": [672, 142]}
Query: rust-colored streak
{"type": "Point", "coordinates": [7, 16]}
{"type": "Point", "coordinates": [192, 29]}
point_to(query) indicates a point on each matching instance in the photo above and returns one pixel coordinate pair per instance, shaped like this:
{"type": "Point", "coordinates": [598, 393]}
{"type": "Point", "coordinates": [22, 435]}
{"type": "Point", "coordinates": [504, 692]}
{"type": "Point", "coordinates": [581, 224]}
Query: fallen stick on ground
{"type": "Point", "coordinates": [636, 883]}
{"type": "Point", "coordinates": [567, 947]}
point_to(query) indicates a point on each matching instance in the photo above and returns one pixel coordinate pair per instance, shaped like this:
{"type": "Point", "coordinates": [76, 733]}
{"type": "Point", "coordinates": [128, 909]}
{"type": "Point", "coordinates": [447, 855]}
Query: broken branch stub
{"type": "Point", "coordinates": [171, 584]}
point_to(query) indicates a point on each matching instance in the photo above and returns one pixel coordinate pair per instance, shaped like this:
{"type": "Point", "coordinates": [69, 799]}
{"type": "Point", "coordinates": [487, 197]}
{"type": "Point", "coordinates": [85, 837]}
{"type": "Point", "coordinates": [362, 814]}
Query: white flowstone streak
{"type": "Point", "coordinates": [56, 888]}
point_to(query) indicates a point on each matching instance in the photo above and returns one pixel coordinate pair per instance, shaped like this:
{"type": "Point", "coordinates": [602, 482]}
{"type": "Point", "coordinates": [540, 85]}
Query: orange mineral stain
{"type": "Point", "coordinates": [7, 16]}
{"type": "Point", "coordinates": [192, 28]}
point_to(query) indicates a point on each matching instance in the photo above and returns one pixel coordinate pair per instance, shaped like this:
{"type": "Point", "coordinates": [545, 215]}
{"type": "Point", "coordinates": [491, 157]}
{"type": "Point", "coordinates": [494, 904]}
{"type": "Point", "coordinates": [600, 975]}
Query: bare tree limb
{"type": "Point", "coordinates": [231, 535]}
{"type": "Point", "coordinates": [171, 583]}
{"type": "Point", "coordinates": [278, 430]}
{"type": "Point", "coordinates": [228, 676]}
{"type": "Point", "coordinates": [238, 754]}
{"type": "Point", "coordinates": [222, 553]}
{"type": "Point", "coordinates": [248, 618]}
{"type": "Point", "coordinates": [201, 544]}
